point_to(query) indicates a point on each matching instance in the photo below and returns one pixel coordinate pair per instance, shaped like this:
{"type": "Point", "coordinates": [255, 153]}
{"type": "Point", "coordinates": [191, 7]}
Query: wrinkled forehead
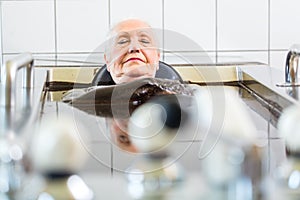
{"type": "Point", "coordinates": [134, 32]}
{"type": "Point", "coordinates": [131, 25]}
{"type": "Point", "coordinates": [130, 29]}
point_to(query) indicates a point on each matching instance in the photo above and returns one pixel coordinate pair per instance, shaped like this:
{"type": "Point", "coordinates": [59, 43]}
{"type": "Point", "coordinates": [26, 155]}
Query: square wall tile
{"type": "Point", "coordinates": [190, 58]}
{"type": "Point", "coordinates": [277, 59]}
{"type": "Point", "coordinates": [192, 21]}
{"type": "Point", "coordinates": [186, 155]}
{"type": "Point", "coordinates": [28, 26]}
{"type": "Point", "coordinates": [122, 159]}
{"type": "Point", "coordinates": [244, 26]}
{"type": "Point", "coordinates": [90, 127]}
{"type": "Point", "coordinates": [284, 23]}
{"type": "Point", "coordinates": [261, 125]}
{"type": "Point", "coordinates": [258, 56]}
{"type": "Point", "coordinates": [1, 50]}
{"type": "Point", "coordinates": [151, 12]}
{"type": "Point", "coordinates": [82, 25]}
{"type": "Point", "coordinates": [99, 158]}
{"type": "Point", "coordinates": [277, 154]}
{"type": "Point", "coordinates": [91, 58]}
{"type": "Point", "coordinates": [39, 59]}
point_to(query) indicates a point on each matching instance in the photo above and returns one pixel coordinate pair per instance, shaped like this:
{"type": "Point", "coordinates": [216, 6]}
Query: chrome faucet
{"type": "Point", "coordinates": [291, 66]}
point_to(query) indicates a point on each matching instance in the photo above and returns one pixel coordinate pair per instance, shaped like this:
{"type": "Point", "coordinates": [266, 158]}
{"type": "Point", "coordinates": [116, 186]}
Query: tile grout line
{"type": "Point", "coordinates": [216, 27]}
{"type": "Point", "coordinates": [185, 51]}
{"type": "Point", "coordinates": [109, 15]}
{"type": "Point", "coordinates": [163, 28]}
{"type": "Point", "coordinates": [55, 29]}
{"type": "Point", "coordinates": [1, 40]}
{"type": "Point", "coordinates": [269, 32]}
{"type": "Point", "coordinates": [269, 150]}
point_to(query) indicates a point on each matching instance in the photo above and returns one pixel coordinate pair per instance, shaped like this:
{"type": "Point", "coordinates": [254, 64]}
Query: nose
{"type": "Point", "coordinates": [134, 47]}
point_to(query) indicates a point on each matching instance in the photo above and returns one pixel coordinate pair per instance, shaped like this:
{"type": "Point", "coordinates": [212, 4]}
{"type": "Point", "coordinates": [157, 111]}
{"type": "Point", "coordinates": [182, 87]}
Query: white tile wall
{"type": "Point", "coordinates": [278, 59]}
{"type": "Point", "coordinates": [81, 25]}
{"type": "Point", "coordinates": [195, 20]}
{"type": "Point", "coordinates": [251, 30]}
{"type": "Point", "coordinates": [1, 47]}
{"type": "Point", "coordinates": [149, 11]}
{"type": "Point", "coordinates": [190, 57]}
{"type": "Point", "coordinates": [243, 25]}
{"type": "Point", "coordinates": [243, 56]}
{"type": "Point", "coordinates": [284, 23]}
{"type": "Point", "coordinates": [28, 26]}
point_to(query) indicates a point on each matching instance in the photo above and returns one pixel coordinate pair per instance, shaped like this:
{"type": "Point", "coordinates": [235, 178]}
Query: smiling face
{"type": "Point", "coordinates": [133, 53]}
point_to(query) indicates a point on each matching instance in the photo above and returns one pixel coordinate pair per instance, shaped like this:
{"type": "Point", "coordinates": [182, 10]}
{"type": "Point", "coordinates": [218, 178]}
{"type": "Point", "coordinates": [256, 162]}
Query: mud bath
{"type": "Point", "coordinates": [121, 100]}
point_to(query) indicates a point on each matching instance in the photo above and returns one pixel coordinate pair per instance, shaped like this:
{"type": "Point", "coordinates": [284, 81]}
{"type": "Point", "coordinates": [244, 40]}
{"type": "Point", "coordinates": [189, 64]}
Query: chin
{"type": "Point", "coordinates": [133, 78]}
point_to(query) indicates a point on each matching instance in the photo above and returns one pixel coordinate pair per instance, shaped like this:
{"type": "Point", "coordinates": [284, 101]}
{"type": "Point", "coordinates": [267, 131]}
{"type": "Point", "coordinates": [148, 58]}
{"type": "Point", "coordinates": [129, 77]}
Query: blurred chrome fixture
{"type": "Point", "coordinates": [288, 173]}
{"type": "Point", "coordinates": [153, 126]}
{"type": "Point", "coordinates": [9, 85]}
{"type": "Point", "coordinates": [11, 168]}
{"type": "Point", "coordinates": [9, 77]}
{"type": "Point", "coordinates": [291, 67]}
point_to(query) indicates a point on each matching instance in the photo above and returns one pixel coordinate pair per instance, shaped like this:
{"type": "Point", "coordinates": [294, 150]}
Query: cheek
{"type": "Point", "coordinates": [115, 61]}
{"type": "Point", "coordinates": [117, 55]}
{"type": "Point", "coordinates": [152, 56]}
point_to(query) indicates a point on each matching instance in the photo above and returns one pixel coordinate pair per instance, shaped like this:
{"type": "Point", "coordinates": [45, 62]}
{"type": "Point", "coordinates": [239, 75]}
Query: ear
{"type": "Point", "coordinates": [106, 61]}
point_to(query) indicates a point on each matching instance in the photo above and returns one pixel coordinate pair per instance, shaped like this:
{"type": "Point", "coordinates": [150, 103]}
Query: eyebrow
{"type": "Point", "coordinates": [122, 34]}
{"type": "Point", "coordinates": [145, 33]}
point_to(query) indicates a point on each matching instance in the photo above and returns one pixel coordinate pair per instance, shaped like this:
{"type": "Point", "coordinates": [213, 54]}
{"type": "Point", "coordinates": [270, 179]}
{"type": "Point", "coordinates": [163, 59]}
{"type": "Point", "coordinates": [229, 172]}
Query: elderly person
{"type": "Point", "coordinates": [132, 51]}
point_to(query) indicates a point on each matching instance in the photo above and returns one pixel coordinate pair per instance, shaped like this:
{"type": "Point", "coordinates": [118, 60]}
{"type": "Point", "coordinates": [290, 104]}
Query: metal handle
{"type": "Point", "coordinates": [9, 78]}
{"type": "Point", "coordinates": [291, 67]}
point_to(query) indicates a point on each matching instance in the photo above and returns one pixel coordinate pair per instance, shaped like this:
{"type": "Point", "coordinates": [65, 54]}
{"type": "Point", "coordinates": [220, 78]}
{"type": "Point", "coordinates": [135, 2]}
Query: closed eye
{"type": "Point", "coordinates": [145, 41]}
{"type": "Point", "coordinates": [123, 41]}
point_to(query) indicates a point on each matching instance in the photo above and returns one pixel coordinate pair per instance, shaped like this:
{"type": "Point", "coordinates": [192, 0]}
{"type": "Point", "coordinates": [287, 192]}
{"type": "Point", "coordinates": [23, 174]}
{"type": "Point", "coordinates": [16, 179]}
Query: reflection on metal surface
{"type": "Point", "coordinates": [293, 92]}
{"type": "Point", "coordinates": [262, 100]}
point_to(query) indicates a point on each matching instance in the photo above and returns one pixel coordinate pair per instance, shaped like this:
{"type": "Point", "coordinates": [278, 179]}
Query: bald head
{"type": "Point", "coordinates": [132, 53]}
{"type": "Point", "coordinates": [130, 25]}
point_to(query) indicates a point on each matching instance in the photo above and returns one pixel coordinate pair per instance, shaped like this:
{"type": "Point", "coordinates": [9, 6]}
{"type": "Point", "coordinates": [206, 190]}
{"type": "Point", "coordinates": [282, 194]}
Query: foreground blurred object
{"type": "Point", "coordinates": [231, 161]}
{"type": "Point", "coordinates": [13, 123]}
{"type": "Point", "coordinates": [152, 129]}
{"type": "Point", "coordinates": [288, 174]}
{"type": "Point", "coordinates": [58, 154]}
